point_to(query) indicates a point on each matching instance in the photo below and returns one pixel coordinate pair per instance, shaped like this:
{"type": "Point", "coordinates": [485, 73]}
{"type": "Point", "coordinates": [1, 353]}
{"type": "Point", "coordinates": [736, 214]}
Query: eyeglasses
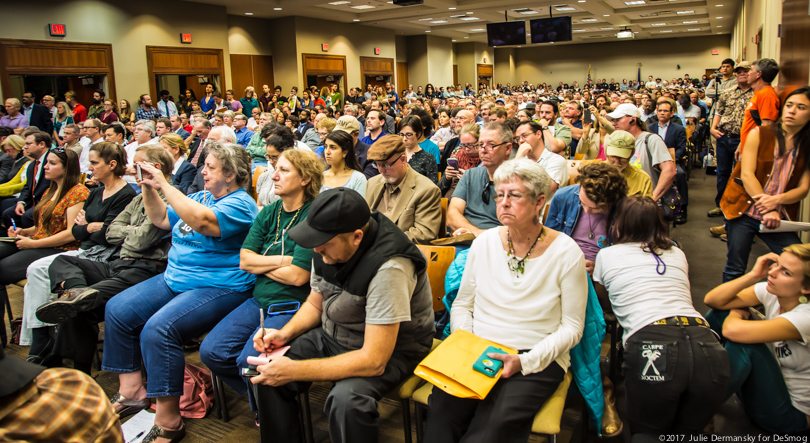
{"type": "Point", "coordinates": [485, 147]}
{"type": "Point", "coordinates": [487, 191]}
{"type": "Point", "coordinates": [512, 196]}
{"type": "Point", "coordinates": [272, 158]}
{"type": "Point", "coordinates": [386, 166]}
{"type": "Point", "coordinates": [472, 146]}
{"type": "Point", "coordinates": [406, 134]}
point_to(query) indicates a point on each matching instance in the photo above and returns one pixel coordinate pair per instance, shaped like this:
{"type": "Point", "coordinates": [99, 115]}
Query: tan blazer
{"type": "Point", "coordinates": [418, 211]}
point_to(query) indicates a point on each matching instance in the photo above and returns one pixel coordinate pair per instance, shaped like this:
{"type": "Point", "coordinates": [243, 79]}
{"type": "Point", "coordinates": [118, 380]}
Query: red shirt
{"type": "Point", "coordinates": [767, 103]}
{"type": "Point", "coordinates": [79, 113]}
{"type": "Point", "coordinates": [188, 128]}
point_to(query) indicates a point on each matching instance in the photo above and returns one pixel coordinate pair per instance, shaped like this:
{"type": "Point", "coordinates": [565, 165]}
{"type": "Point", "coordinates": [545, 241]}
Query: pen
{"type": "Point", "coordinates": [261, 320]}
{"type": "Point", "coordinates": [136, 437]}
{"type": "Point", "coordinates": [14, 225]}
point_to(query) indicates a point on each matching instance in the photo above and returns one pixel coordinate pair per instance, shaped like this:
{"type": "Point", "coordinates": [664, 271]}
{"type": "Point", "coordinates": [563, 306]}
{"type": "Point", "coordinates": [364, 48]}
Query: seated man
{"type": "Point", "coordinates": [472, 209]}
{"type": "Point", "coordinates": [533, 147]}
{"type": "Point", "coordinates": [619, 147]}
{"type": "Point", "coordinates": [406, 197]}
{"type": "Point", "coordinates": [87, 284]}
{"type": "Point", "coordinates": [556, 136]}
{"type": "Point", "coordinates": [366, 324]}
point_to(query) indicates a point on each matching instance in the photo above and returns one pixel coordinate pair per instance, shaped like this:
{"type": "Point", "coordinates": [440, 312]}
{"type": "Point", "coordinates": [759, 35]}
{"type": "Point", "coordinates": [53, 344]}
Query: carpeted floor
{"type": "Point", "coordinates": [706, 259]}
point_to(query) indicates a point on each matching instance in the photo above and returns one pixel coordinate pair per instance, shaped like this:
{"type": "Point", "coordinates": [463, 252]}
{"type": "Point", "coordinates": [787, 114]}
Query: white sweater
{"type": "Point", "coordinates": [529, 312]}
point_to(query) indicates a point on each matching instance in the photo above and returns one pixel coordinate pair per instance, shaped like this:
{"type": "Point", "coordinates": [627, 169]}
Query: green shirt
{"type": "Point", "coordinates": [261, 240]}
{"type": "Point", "coordinates": [335, 96]}
{"type": "Point", "coordinates": [256, 147]}
{"type": "Point", "coordinates": [95, 111]}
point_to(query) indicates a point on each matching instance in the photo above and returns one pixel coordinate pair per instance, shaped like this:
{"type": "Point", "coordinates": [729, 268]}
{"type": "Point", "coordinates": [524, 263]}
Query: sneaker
{"type": "Point", "coordinates": [68, 306]}
{"type": "Point", "coordinates": [716, 212]}
{"type": "Point", "coordinates": [717, 231]}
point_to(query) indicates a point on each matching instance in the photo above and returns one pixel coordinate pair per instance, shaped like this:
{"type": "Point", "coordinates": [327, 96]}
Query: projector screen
{"type": "Point", "coordinates": [506, 33]}
{"type": "Point", "coordinates": [547, 30]}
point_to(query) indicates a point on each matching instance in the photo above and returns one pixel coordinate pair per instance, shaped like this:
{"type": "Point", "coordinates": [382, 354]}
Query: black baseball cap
{"type": "Point", "coordinates": [16, 373]}
{"type": "Point", "coordinates": [336, 211]}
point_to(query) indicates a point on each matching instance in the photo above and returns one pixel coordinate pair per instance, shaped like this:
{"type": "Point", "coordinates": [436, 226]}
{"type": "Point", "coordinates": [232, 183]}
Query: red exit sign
{"type": "Point", "coordinates": [56, 30]}
{"type": "Point", "coordinates": [185, 38]}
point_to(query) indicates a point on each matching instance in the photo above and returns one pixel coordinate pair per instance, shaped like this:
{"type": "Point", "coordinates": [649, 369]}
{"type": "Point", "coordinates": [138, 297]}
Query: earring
{"type": "Point", "coordinates": [802, 299]}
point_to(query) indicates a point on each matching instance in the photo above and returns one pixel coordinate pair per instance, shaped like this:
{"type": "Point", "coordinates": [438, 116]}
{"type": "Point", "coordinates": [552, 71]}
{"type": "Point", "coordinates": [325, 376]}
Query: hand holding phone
{"type": "Point", "coordinates": [587, 117]}
{"type": "Point", "coordinates": [489, 366]}
{"type": "Point", "coordinates": [452, 162]}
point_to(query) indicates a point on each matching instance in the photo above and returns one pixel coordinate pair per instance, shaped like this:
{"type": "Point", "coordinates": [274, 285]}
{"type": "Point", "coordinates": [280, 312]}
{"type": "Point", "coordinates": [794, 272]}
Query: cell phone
{"type": "Point", "coordinates": [755, 116]}
{"type": "Point", "coordinates": [250, 371]}
{"type": "Point", "coordinates": [283, 308]}
{"type": "Point", "coordinates": [587, 117]}
{"type": "Point", "coordinates": [453, 163]}
{"type": "Point", "coordinates": [139, 172]}
{"type": "Point", "coordinates": [489, 366]}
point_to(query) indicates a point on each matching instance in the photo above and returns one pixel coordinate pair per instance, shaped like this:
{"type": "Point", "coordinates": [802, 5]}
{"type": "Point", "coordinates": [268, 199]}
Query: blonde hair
{"type": "Point", "coordinates": [328, 123]}
{"type": "Point", "coordinates": [310, 167]}
{"type": "Point", "coordinates": [802, 251]}
{"type": "Point", "coordinates": [175, 141]}
{"type": "Point", "coordinates": [15, 141]}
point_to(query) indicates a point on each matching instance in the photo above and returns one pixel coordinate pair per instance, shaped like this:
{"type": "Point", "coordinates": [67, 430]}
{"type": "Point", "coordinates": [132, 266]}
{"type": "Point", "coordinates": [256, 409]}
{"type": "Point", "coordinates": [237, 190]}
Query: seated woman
{"type": "Point", "coordinates": [344, 170]}
{"type": "Point", "coordinates": [279, 139]}
{"type": "Point", "coordinates": [201, 285]}
{"type": "Point", "coordinates": [773, 391]}
{"type": "Point", "coordinates": [592, 144]}
{"type": "Point", "coordinates": [13, 147]}
{"type": "Point", "coordinates": [466, 157]}
{"type": "Point", "coordinates": [86, 284]}
{"type": "Point", "coordinates": [183, 172]}
{"type": "Point", "coordinates": [421, 161]}
{"type": "Point", "coordinates": [524, 269]}
{"type": "Point", "coordinates": [675, 369]}
{"type": "Point", "coordinates": [107, 164]}
{"type": "Point", "coordinates": [54, 218]}
{"type": "Point", "coordinates": [282, 270]}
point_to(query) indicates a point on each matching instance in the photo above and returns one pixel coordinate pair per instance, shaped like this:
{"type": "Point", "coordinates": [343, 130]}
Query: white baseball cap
{"type": "Point", "coordinates": [627, 109]}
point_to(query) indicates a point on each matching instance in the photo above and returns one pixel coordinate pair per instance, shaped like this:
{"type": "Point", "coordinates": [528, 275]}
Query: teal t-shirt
{"type": "Point", "coordinates": [431, 148]}
{"type": "Point", "coordinates": [201, 261]}
{"type": "Point", "coordinates": [265, 238]}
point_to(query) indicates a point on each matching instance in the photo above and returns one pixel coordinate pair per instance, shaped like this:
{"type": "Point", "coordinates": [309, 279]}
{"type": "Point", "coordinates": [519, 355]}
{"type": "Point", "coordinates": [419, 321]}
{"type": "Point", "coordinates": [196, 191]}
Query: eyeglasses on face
{"type": "Point", "coordinates": [406, 134]}
{"type": "Point", "coordinates": [470, 146]}
{"type": "Point", "coordinates": [511, 196]}
{"type": "Point", "coordinates": [486, 147]}
{"type": "Point", "coordinates": [385, 166]}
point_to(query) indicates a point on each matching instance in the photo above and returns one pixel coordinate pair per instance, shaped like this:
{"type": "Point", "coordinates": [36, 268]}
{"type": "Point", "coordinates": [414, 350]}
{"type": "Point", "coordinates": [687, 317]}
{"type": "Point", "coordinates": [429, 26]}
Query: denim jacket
{"type": "Point", "coordinates": [564, 209]}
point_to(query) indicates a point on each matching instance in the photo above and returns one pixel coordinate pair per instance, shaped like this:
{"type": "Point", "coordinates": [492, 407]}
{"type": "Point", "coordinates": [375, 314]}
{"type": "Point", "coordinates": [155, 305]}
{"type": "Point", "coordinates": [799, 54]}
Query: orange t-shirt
{"type": "Point", "coordinates": [766, 101]}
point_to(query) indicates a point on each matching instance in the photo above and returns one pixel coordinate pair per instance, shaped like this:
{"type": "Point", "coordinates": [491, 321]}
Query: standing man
{"type": "Point", "coordinates": [266, 98]}
{"type": "Point", "coordinates": [37, 115]}
{"type": "Point", "coordinates": [763, 108]}
{"type": "Point", "coordinates": [177, 126]}
{"type": "Point", "coordinates": [726, 127]}
{"type": "Point", "coordinates": [675, 139]}
{"type": "Point", "coordinates": [79, 111]}
{"type": "Point", "coordinates": [166, 107]}
{"type": "Point", "coordinates": [572, 117]}
{"type": "Point", "coordinates": [21, 208]}
{"type": "Point", "coordinates": [49, 102]}
{"type": "Point", "coordinates": [97, 108]}
{"type": "Point", "coordinates": [14, 118]}
{"type": "Point", "coordinates": [365, 347]}
{"type": "Point", "coordinates": [723, 81]}
{"type": "Point", "coordinates": [146, 111]}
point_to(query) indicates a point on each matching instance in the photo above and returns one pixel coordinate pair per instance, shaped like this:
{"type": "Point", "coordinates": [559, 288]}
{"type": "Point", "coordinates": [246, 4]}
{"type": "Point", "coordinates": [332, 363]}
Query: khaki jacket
{"type": "Point", "coordinates": [418, 211]}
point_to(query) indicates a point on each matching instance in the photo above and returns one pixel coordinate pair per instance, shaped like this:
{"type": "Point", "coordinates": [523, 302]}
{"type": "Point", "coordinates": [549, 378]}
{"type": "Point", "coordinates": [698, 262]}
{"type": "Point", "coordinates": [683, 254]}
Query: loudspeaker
{"type": "Point", "coordinates": [408, 2]}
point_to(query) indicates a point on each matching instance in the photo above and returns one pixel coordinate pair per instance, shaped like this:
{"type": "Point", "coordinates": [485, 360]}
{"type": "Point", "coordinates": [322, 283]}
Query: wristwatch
{"type": "Point", "coordinates": [22, 203]}
{"type": "Point", "coordinates": [544, 128]}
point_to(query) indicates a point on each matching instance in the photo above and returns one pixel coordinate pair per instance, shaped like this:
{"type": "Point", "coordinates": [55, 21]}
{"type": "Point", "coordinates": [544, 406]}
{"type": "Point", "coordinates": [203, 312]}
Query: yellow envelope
{"type": "Point", "coordinates": [450, 366]}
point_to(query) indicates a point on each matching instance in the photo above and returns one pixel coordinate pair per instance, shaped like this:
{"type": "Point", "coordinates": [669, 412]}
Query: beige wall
{"type": "Point", "coordinates": [618, 60]}
{"type": "Point", "coordinates": [753, 15]}
{"type": "Point", "coordinates": [465, 59]}
{"type": "Point", "coordinates": [417, 56]}
{"type": "Point", "coordinates": [248, 35]}
{"type": "Point", "coordinates": [126, 26]}
{"type": "Point", "coordinates": [440, 60]}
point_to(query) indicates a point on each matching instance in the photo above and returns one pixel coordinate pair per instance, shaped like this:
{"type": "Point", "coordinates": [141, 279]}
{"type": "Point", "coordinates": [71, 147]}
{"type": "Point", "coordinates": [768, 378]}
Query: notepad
{"type": "Point", "coordinates": [263, 357]}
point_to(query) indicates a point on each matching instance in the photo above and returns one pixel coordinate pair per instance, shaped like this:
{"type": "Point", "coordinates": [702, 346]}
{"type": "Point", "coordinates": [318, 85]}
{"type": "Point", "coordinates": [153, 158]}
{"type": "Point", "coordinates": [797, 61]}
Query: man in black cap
{"type": "Point", "coordinates": [367, 323]}
{"type": "Point", "coordinates": [47, 405]}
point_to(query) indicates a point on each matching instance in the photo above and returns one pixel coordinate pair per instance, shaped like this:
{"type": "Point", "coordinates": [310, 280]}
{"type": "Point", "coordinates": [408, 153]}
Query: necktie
{"type": "Point", "coordinates": [34, 180]}
{"type": "Point", "coordinates": [198, 153]}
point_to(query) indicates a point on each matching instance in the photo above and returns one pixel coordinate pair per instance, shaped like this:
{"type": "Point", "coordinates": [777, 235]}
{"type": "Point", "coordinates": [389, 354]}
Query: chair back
{"type": "Point", "coordinates": [259, 171]}
{"type": "Point", "coordinates": [573, 171]}
{"type": "Point", "coordinates": [439, 259]}
{"type": "Point", "coordinates": [443, 223]}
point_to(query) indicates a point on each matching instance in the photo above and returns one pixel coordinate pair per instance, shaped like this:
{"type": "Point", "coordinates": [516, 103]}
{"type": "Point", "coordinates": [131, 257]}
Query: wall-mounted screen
{"type": "Point", "coordinates": [506, 33]}
{"type": "Point", "coordinates": [547, 30]}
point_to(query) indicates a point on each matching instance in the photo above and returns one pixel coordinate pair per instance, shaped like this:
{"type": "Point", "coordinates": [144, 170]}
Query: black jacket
{"type": "Point", "coordinates": [41, 118]}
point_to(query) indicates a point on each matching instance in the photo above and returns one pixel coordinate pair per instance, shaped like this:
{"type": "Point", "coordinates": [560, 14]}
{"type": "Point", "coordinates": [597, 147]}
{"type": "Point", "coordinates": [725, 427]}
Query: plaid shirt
{"type": "Point", "coordinates": [143, 114]}
{"type": "Point", "coordinates": [731, 108]}
{"type": "Point", "coordinates": [60, 405]}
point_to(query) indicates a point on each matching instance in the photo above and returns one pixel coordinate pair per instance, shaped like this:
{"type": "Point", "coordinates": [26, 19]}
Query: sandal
{"type": "Point", "coordinates": [130, 406]}
{"type": "Point", "coordinates": [158, 432]}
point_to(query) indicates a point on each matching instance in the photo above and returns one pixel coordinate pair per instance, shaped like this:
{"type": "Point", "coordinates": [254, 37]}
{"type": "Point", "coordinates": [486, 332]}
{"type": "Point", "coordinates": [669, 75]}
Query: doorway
{"type": "Point", "coordinates": [484, 74]}
{"type": "Point", "coordinates": [377, 80]}
{"type": "Point", "coordinates": [57, 85]}
{"type": "Point", "coordinates": [177, 85]}
{"type": "Point", "coordinates": [325, 70]}
{"type": "Point", "coordinates": [176, 69]}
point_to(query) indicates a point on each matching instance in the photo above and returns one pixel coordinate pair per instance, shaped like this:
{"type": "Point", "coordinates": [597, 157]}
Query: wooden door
{"type": "Point", "coordinates": [251, 70]}
{"type": "Point", "coordinates": [193, 83]}
{"type": "Point", "coordinates": [402, 76]}
{"type": "Point", "coordinates": [455, 74]}
{"type": "Point", "coordinates": [794, 58]}
{"type": "Point", "coordinates": [325, 65]}
{"type": "Point", "coordinates": [184, 61]}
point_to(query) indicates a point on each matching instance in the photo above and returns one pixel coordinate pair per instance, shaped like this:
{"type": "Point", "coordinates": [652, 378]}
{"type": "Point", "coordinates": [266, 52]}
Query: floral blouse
{"type": "Point", "coordinates": [425, 164]}
{"type": "Point", "coordinates": [58, 222]}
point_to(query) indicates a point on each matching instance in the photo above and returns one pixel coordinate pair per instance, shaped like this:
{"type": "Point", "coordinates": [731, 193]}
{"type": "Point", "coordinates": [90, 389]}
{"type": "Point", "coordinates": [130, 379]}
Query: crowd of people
{"type": "Point", "coordinates": [291, 224]}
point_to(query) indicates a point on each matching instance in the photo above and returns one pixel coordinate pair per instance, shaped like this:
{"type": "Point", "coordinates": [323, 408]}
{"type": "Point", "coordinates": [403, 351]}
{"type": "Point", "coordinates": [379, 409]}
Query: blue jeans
{"type": "Point", "coordinates": [757, 379]}
{"type": "Point", "coordinates": [150, 320]}
{"type": "Point", "coordinates": [226, 348]}
{"type": "Point", "coordinates": [741, 232]}
{"type": "Point", "coordinates": [724, 154]}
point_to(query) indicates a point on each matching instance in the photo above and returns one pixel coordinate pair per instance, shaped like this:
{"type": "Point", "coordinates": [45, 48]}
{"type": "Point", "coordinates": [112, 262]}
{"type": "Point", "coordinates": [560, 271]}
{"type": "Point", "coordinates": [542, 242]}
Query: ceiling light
{"type": "Point", "coordinates": [718, 18]}
{"type": "Point", "coordinates": [276, 9]}
{"type": "Point", "coordinates": [466, 19]}
{"type": "Point", "coordinates": [625, 33]}
{"type": "Point", "coordinates": [468, 37]}
{"type": "Point", "coordinates": [658, 24]}
{"type": "Point", "coordinates": [719, 26]}
{"type": "Point", "coordinates": [719, 32]}
{"type": "Point", "coordinates": [427, 31]}
{"type": "Point", "coordinates": [718, 5]}
{"type": "Point", "coordinates": [581, 1]}
{"type": "Point", "coordinates": [470, 13]}
{"type": "Point", "coordinates": [690, 22]}
{"type": "Point", "coordinates": [439, 21]}
{"type": "Point", "coordinates": [606, 29]}
{"type": "Point", "coordinates": [424, 19]}
{"type": "Point", "coordinates": [248, 13]}
{"type": "Point", "coordinates": [339, 3]}
{"type": "Point", "coordinates": [451, 8]}
{"type": "Point", "coordinates": [578, 30]}
{"type": "Point", "coordinates": [363, 7]}
{"type": "Point", "coordinates": [685, 12]}
{"type": "Point", "coordinates": [477, 30]}
{"type": "Point", "coordinates": [694, 29]}
{"type": "Point", "coordinates": [638, 2]}
{"type": "Point", "coordinates": [664, 31]}
{"type": "Point", "coordinates": [606, 15]}
{"type": "Point", "coordinates": [356, 20]}
{"type": "Point", "coordinates": [454, 40]}
{"type": "Point", "coordinates": [528, 12]}
{"type": "Point", "coordinates": [520, 46]}
{"type": "Point", "coordinates": [586, 20]}
{"type": "Point", "coordinates": [567, 8]}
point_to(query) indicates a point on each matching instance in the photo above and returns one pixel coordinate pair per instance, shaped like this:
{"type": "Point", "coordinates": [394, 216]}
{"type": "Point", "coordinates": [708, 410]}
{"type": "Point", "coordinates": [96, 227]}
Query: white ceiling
{"type": "Point", "coordinates": [465, 20]}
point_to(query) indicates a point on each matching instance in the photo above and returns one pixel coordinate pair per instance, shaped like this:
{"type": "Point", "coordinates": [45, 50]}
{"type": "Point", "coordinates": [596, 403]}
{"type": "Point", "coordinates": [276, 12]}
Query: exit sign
{"type": "Point", "coordinates": [56, 30]}
{"type": "Point", "coordinates": [185, 38]}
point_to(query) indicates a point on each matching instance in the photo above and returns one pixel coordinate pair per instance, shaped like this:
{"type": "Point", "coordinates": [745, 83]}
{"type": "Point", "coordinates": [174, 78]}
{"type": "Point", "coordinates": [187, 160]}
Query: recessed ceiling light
{"type": "Point", "coordinates": [437, 22]}
{"type": "Point", "coordinates": [520, 46]}
{"type": "Point", "coordinates": [664, 31]}
{"type": "Point", "coordinates": [685, 12]}
{"type": "Point", "coordinates": [606, 15]}
{"type": "Point", "coordinates": [718, 5]}
{"type": "Point", "coordinates": [470, 13]}
{"type": "Point", "coordinates": [451, 9]}
{"type": "Point", "coordinates": [719, 26]}
{"type": "Point", "coordinates": [342, 2]}
{"type": "Point", "coordinates": [356, 20]}
{"type": "Point", "coordinates": [718, 18]}
{"type": "Point", "coordinates": [637, 2]}
{"type": "Point", "coordinates": [581, 1]}
{"type": "Point", "coordinates": [578, 30]}
{"type": "Point", "coordinates": [276, 9]}
{"type": "Point", "coordinates": [719, 32]}
{"type": "Point", "coordinates": [694, 29]}
{"type": "Point", "coordinates": [427, 31]}
{"type": "Point", "coordinates": [690, 22]}
{"type": "Point", "coordinates": [567, 8]}
{"type": "Point", "coordinates": [658, 24]}
{"type": "Point", "coordinates": [477, 30]}
{"type": "Point", "coordinates": [248, 13]}
{"type": "Point", "coordinates": [529, 12]}
{"type": "Point", "coordinates": [468, 37]}
{"type": "Point", "coordinates": [424, 19]}
{"type": "Point", "coordinates": [363, 7]}
{"type": "Point", "coordinates": [466, 19]}
{"type": "Point", "coordinates": [606, 29]}
{"type": "Point", "coordinates": [454, 40]}
{"type": "Point", "coordinates": [586, 20]}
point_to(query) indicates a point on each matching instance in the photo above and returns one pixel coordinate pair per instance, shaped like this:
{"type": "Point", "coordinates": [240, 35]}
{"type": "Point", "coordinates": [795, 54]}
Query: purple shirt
{"type": "Point", "coordinates": [587, 224]}
{"type": "Point", "coordinates": [17, 122]}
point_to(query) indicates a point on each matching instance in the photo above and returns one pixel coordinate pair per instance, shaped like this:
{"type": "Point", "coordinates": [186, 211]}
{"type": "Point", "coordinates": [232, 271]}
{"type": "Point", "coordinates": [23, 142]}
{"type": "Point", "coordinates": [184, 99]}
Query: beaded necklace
{"type": "Point", "coordinates": [280, 231]}
{"type": "Point", "coordinates": [516, 265]}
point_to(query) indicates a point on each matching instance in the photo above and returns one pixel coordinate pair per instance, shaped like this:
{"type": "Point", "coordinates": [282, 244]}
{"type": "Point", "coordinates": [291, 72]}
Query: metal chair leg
{"type": "Point", "coordinates": [219, 387]}
{"type": "Point", "coordinates": [6, 306]}
{"type": "Point", "coordinates": [418, 410]}
{"type": "Point", "coordinates": [306, 415]}
{"type": "Point", "coordinates": [406, 419]}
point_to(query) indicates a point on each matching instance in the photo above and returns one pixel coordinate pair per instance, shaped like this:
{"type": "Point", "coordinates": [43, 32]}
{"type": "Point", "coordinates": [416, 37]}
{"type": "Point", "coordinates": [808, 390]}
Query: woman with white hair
{"type": "Point", "coordinates": [511, 293]}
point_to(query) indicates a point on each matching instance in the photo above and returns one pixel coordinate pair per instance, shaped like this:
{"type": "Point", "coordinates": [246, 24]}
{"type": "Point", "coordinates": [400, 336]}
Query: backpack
{"type": "Point", "coordinates": [198, 392]}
